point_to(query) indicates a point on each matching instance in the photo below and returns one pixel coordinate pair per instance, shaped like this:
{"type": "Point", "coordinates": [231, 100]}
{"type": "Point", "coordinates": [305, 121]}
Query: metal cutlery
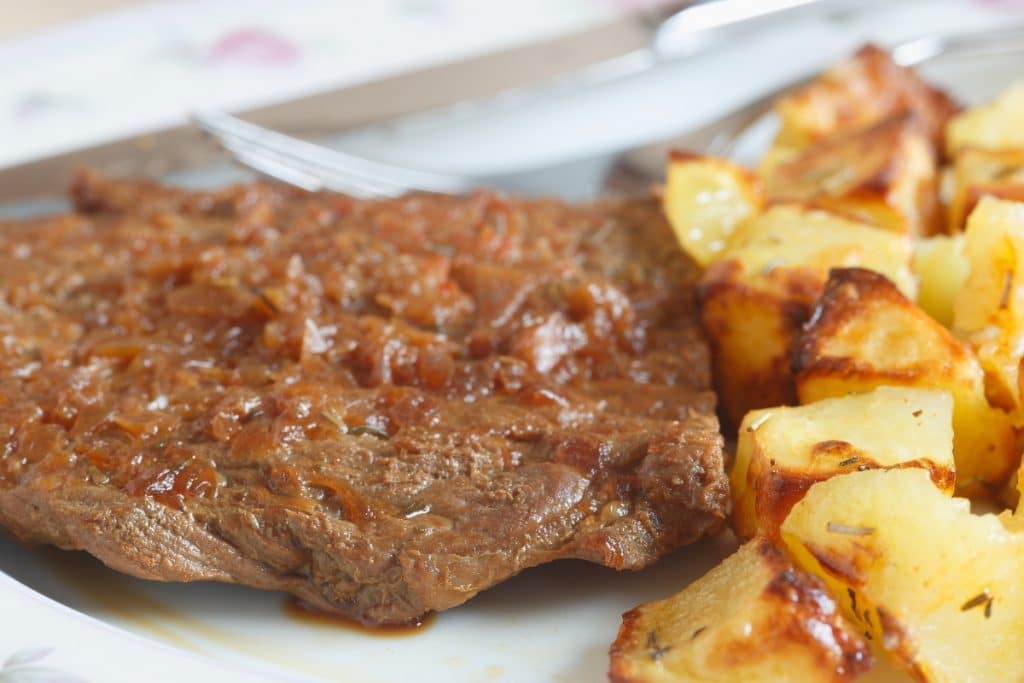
{"type": "Point", "coordinates": [311, 166]}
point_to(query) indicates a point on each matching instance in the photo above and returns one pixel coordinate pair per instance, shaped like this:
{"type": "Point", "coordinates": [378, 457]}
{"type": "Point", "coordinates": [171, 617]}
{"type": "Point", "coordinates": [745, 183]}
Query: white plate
{"type": "Point", "coordinates": [552, 623]}
{"type": "Point", "coordinates": [65, 617]}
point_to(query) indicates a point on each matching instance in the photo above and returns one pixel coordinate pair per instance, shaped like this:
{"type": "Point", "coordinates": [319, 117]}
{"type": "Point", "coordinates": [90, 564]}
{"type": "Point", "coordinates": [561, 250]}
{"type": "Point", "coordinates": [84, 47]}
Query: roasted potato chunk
{"type": "Point", "coordinates": [884, 175]}
{"type": "Point", "coordinates": [989, 310]}
{"type": "Point", "coordinates": [783, 451]}
{"type": "Point", "coordinates": [941, 268]}
{"type": "Point", "coordinates": [995, 125]}
{"type": "Point", "coordinates": [754, 302]}
{"type": "Point", "coordinates": [753, 618]}
{"type": "Point", "coordinates": [858, 93]}
{"type": "Point", "coordinates": [865, 333]}
{"type": "Point", "coordinates": [705, 199]}
{"type": "Point", "coordinates": [936, 587]}
{"type": "Point", "coordinates": [981, 173]}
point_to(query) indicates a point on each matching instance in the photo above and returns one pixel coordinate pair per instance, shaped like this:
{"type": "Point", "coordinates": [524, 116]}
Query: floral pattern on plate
{"type": "Point", "coordinates": [24, 666]}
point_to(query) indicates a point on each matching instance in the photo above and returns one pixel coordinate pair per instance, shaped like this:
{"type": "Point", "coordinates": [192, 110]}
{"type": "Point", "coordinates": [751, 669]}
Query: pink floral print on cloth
{"type": "Point", "coordinates": [253, 46]}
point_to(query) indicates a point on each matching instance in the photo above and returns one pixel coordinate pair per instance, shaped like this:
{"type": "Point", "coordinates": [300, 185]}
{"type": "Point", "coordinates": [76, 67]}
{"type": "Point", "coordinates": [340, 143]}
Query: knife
{"type": "Point", "coordinates": [616, 48]}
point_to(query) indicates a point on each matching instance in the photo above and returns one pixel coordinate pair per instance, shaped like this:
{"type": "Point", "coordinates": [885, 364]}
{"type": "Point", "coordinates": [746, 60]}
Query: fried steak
{"type": "Point", "coordinates": [382, 407]}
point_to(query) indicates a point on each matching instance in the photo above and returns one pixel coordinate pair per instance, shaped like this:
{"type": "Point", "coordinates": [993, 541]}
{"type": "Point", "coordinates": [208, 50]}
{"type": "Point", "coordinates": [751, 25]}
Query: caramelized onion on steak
{"type": "Point", "coordinates": [381, 407]}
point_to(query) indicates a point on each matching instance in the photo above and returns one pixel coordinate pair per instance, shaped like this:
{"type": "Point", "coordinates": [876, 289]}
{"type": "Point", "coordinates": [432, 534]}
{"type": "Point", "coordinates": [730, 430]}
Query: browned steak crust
{"type": "Point", "coordinates": [382, 407]}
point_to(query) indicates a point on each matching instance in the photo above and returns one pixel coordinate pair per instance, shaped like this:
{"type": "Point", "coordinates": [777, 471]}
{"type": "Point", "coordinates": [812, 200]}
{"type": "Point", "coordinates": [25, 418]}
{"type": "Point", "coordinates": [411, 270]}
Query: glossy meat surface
{"type": "Point", "coordinates": [381, 407]}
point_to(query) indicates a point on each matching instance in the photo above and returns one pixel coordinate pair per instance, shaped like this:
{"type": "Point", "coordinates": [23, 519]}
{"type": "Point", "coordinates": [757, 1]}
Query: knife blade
{"type": "Point", "coordinates": [160, 152]}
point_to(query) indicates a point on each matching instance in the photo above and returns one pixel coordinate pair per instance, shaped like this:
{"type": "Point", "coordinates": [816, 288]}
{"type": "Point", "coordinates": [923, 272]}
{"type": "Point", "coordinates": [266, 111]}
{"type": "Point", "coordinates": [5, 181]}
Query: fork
{"type": "Point", "coordinates": [314, 167]}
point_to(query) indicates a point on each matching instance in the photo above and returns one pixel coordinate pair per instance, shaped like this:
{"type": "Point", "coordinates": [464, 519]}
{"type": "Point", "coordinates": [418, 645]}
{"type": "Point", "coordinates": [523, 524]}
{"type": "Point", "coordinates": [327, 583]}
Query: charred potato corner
{"type": "Point", "coordinates": [867, 333]}
{"type": "Point", "coordinates": [755, 617]}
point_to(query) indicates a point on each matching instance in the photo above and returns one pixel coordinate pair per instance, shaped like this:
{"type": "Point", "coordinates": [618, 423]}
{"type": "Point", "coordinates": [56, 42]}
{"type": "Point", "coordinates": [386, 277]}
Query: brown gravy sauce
{"type": "Point", "coordinates": [299, 611]}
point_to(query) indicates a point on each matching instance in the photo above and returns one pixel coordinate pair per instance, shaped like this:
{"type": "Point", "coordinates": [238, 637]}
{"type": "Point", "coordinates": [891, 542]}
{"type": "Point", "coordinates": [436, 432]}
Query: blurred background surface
{"type": "Point", "coordinates": [74, 74]}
